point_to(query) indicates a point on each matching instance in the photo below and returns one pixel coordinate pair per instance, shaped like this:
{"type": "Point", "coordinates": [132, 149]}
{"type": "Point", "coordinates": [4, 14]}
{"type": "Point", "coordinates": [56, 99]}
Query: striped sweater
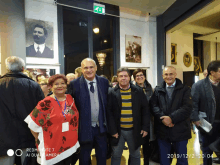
{"type": "Point", "coordinates": [126, 111]}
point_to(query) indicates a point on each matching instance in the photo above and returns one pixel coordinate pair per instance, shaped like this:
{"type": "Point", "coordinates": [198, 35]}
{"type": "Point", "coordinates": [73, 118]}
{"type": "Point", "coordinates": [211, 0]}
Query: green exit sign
{"type": "Point", "coordinates": [98, 8]}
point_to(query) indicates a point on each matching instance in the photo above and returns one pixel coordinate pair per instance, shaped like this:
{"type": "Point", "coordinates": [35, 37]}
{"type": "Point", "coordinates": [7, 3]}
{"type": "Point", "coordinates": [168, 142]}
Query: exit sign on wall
{"type": "Point", "coordinates": [98, 8]}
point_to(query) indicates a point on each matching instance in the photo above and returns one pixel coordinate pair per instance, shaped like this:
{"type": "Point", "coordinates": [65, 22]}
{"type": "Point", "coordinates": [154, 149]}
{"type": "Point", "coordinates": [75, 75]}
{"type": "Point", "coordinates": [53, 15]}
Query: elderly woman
{"type": "Point", "coordinates": [78, 72]}
{"type": "Point", "coordinates": [45, 87]}
{"type": "Point", "coordinates": [54, 124]}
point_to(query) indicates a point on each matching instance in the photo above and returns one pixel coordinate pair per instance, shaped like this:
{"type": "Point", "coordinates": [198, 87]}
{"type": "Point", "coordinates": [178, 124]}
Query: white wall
{"type": "Point", "coordinates": [44, 10]}
{"type": "Point", "coordinates": [133, 23]}
{"type": "Point", "coordinates": [184, 41]}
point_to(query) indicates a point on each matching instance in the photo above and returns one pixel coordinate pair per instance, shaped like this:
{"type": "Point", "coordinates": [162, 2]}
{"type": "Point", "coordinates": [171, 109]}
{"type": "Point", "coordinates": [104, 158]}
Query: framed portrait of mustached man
{"type": "Point", "coordinates": [173, 53]}
{"type": "Point", "coordinates": [39, 38]}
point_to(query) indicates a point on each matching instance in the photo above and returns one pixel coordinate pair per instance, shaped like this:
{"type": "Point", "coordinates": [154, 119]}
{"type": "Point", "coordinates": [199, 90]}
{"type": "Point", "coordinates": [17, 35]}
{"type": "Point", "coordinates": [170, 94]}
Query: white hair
{"type": "Point", "coordinates": [88, 59]}
{"type": "Point", "coordinates": [70, 75]}
{"type": "Point", "coordinates": [14, 64]}
{"type": "Point", "coordinates": [169, 67]}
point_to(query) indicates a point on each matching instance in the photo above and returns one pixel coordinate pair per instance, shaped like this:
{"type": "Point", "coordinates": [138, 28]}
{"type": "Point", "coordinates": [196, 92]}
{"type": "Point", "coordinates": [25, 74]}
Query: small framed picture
{"type": "Point", "coordinates": [197, 65]}
{"type": "Point", "coordinates": [187, 59]}
{"type": "Point", "coordinates": [133, 49]}
{"type": "Point", "coordinates": [173, 53]}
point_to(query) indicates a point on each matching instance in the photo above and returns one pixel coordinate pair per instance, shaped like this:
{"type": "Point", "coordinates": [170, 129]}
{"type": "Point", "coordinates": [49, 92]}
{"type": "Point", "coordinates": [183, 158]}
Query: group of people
{"type": "Point", "coordinates": [82, 111]}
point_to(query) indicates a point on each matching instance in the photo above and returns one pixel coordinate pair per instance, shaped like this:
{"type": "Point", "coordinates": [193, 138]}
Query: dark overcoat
{"type": "Point", "coordinates": [80, 92]}
{"type": "Point", "coordinates": [140, 112]}
{"type": "Point", "coordinates": [204, 103]}
{"type": "Point", "coordinates": [179, 111]}
{"type": "Point", "coordinates": [18, 97]}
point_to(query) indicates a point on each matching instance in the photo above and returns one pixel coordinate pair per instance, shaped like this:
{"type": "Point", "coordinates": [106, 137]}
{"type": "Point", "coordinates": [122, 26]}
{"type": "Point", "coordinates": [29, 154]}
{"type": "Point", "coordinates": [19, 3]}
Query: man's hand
{"type": "Point", "coordinates": [171, 125]}
{"type": "Point", "coordinates": [197, 123]}
{"type": "Point", "coordinates": [144, 133]}
{"type": "Point", "coordinates": [116, 135]}
{"type": "Point", "coordinates": [166, 120]}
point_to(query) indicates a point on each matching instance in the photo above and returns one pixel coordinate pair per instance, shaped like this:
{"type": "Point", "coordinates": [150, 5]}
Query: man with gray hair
{"type": "Point", "coordinates": [19, 95]}
{"type": "Point", "coordinates": [90, 93]}
{"type": "Point", "coordinates": [171, 104]}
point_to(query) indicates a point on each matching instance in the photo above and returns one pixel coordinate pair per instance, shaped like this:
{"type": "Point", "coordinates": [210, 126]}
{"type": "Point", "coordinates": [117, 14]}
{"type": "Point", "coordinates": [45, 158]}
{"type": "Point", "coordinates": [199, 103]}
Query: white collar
{"type": "Point", "coordinates": [213, 82]}
{"type": "Point", "coordinates": [94, 81]}
{"type": "Point", "coordinates": [41, 46]}
{"type": "Point", "coordinates": [173, 85]}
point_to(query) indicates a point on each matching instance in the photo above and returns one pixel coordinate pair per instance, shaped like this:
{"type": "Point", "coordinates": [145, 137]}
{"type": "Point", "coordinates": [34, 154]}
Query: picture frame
{"type": "Point", "coordinates": [187, 59]}
{"type": "Point", "coordinates": [197, 65]}
{"type": "Point", "coordinates": [173, 53]}
{"type": "Point", "coordinates": [39, 32]}
{"type": "Point", "coordinates": [133, 46]}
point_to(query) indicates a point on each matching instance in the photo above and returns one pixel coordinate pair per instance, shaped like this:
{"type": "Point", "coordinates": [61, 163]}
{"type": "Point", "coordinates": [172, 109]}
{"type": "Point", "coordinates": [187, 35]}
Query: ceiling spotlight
{"type": "Point", "coordinates": [96, 30]}
{"type": "Point", "coordinates": [64, 56]}
{"type": "Point", "coordinates": [105, 41]}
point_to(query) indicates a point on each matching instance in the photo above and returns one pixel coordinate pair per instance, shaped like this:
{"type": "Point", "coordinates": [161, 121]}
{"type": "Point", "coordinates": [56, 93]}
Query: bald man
{"type": "Point", "coordinates": [171, 104]}
{"type": "Point", "coordinates": [90, 93]}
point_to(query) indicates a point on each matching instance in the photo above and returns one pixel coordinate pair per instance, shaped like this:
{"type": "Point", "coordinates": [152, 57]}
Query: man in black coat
{"type": "Point", "coordinates": [171, 104]}
{"type": "Point", "coordinates": [128, 118]}
{"type": "Point", "coordinates": [19, 95]}
{"type": "Point", "coordinates": [206, 105]}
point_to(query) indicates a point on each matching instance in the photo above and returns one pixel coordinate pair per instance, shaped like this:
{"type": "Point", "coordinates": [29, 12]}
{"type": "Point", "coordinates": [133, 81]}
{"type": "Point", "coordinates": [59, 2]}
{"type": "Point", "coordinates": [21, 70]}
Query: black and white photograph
{"type": "Point", "coordinates": [133, 49]}
{"type": "Point", "coordinates": [39, 38]}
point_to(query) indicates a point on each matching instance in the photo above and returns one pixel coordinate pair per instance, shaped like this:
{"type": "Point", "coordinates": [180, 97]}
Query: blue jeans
{"type": "Point", "coordinates": [180, 149]}
{"type": "Point", "coordinates": [134, 153]}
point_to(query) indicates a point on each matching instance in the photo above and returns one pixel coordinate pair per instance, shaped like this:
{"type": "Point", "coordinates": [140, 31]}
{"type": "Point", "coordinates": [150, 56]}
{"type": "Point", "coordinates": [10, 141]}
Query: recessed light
{"type": "Point", "coordinates": [96, 30]}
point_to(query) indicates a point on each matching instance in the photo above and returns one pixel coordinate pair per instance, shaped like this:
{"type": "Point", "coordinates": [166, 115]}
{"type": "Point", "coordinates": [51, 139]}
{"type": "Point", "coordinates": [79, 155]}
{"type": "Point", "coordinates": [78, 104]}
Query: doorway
{"type": "Point", "coordinates": [82, 40]}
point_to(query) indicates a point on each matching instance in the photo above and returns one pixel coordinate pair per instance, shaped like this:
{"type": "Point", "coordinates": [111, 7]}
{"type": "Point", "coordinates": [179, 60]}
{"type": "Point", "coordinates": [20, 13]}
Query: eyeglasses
{"type": "Point", "coordinates": [140, 75]}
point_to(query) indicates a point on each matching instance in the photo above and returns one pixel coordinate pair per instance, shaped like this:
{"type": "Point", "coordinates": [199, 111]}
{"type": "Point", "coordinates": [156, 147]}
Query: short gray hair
{"type": "Point", "coordinates": [88, 59]}
{"type": "Point", "coordinates": [14, 64]}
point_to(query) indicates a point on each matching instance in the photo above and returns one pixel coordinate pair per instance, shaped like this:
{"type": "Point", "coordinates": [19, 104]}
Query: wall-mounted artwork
{"type": "Point", "coordinates": [46, 72]}
{"type": "Point", "coordinates": [133, 49]}
{"type": "Point", "coordinates": [173, 53]}
{"type": "Point", "coordinates": [197, 65]}
{"type": "Point", "coordinates": [187, 59]}
{"type": "Point", "coordinates": [39, 38]}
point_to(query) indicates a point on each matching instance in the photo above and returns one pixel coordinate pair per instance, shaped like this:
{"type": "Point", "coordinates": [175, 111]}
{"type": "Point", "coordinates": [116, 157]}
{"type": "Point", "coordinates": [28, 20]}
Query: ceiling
{"type": "Point", "coordinates": [205, 22]}
{"type": "Point", "coordinates": [210, 21]}
{"type": "Point", "coordinates": [154, 7]}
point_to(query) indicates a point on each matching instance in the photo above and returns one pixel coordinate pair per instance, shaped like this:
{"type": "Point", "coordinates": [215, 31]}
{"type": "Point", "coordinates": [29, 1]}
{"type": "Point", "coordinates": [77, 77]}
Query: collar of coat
{"type": "Point", "coordinates": [178, 85]}
{"type": "Point", "coordinates": [17, 75]}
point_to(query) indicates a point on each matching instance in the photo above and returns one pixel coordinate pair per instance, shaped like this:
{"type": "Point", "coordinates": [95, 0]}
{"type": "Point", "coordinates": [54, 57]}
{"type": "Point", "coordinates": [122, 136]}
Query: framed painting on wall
{"type": "Point", "coordinates": [187, 59]}
{"type": "Point", "coordinates": [173, 53]}
{"type": "Point", "coordinates": [197, 65]}
{"type": "Point", "coordinates": [41, 71]}
{"type": "Point", "coordinates": [133, 49]}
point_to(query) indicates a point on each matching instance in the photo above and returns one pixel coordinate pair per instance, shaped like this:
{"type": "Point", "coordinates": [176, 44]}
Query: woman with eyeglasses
{"type": "Point", "coordinates": [141, 81]}
{"type": "Point", "coordinates": [45, 87]}
{"type": "Point", "coordinates": [54, 124]}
